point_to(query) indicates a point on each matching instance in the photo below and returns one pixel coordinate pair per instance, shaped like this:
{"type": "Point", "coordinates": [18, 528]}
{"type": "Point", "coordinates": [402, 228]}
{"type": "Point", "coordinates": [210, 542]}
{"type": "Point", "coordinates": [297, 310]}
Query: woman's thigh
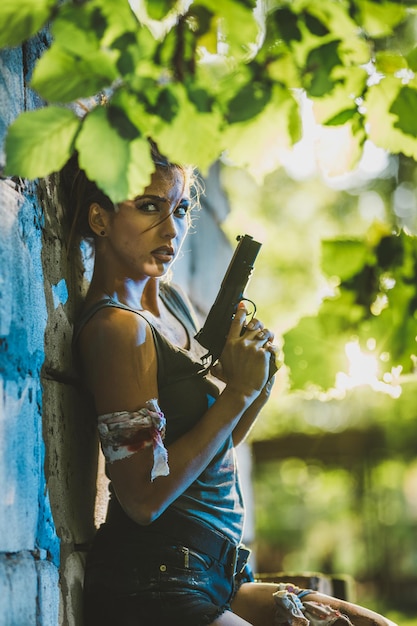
{"type": "Point", "coordinates": [254, 603]}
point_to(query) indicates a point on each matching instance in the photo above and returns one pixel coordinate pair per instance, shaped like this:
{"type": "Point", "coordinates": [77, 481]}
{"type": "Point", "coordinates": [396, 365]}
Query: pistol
{"type": "Point", "coordinates": [217, 325]}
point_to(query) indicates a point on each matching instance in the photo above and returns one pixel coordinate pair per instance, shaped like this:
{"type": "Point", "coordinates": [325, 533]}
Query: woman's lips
{"type": "Point", "coordinates": [165, 255]}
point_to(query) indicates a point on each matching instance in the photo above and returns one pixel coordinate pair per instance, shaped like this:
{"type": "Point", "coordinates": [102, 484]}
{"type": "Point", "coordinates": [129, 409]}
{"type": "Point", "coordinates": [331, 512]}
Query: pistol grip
{"type": "Point", "coordinates": [272, 366]}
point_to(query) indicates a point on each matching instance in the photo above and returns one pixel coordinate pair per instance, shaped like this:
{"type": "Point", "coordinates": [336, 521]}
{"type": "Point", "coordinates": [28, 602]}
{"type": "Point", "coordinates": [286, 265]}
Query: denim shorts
{"type": "Point", "coordinates": [154, 581]}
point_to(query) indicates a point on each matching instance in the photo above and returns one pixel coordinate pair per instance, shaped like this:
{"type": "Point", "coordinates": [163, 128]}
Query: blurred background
{"type": "Point", "coordinates": [334, 454]}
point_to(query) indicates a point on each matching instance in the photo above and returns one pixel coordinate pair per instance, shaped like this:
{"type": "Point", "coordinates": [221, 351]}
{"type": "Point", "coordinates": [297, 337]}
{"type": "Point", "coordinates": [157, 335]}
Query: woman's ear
{"type": "Point", "coordinates": [97, 219]}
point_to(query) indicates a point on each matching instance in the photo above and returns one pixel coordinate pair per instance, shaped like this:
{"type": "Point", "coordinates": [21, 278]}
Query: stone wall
{"type": "Point", "coordinates": [29, 544]}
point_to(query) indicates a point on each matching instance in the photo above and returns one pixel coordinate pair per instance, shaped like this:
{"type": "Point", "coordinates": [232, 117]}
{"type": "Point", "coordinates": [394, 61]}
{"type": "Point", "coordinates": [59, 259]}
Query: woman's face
{"type": "Point", "coordinates": [145, 235]}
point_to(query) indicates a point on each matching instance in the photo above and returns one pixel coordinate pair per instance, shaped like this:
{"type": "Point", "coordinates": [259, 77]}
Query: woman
{"type": "Point", "coordinates": [169, 552]}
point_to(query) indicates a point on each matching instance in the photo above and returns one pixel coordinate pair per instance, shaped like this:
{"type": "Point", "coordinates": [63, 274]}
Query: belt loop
{"type": "Point", "coordinates": [241, 557]}
{"type": "Point", "coordinates": [233, 560]}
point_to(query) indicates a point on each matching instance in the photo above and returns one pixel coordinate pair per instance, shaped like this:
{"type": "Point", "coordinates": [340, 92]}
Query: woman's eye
{"type": "Point", "coordinates": [182, 210]}
{"type": "Point", "coordinates": [148, 207]}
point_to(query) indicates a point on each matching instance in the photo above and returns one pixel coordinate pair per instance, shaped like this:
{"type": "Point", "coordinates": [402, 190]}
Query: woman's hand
{"type": "Point", "coordinates": [244, 362]}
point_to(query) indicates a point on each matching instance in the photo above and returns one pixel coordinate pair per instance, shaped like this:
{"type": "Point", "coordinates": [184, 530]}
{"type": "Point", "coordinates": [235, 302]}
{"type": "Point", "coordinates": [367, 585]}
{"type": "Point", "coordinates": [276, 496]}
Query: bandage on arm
{"type": "Point", "coordinates": [124, 433]}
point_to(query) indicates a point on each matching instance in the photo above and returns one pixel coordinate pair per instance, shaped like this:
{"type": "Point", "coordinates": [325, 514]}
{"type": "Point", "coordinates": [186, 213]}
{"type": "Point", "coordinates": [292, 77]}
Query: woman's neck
{"type": "Point", "coordinates": [139, 294]}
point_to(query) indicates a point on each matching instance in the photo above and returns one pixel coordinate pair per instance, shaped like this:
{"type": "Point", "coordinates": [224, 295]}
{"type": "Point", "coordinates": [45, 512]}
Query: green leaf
{"type": "Point", "coordinates": [87, 26]}
{"type": "Point", "coordinates": [365, 285]}
{"type": "Point", "coordinates": [343, 257]}
{"type": "Point", "coordinates": [250, 4]}
{"type": "Point", "coordinates": [133, 108]}
{"type": "Point", "coordinates": [343, 313]}
{"type": "Point", "coordinates": [314, 356]}
{"type": "Point", "coordinates": [19, 21]}
{"type": "Point", "coordinates": [238, 24]}
{"type": "Point", "coordinates": [120, 19]}
{"type": "Point", "coordinates": [334, 17]}
{"type": "Point", "coordinates": [314, 25]}
{"type": "Point", "coordinates": [249, 101]}
{"type": "Point", "coordinates": [206, 30]}
{"type": "Point", "coordinates": [201, 98]}
{"type": "Point", "coordinates": [286, 23]}
{"type": "Point", "coordinates": [202, 145]}
{"type": "Point", "coordinates": [389, 62]}
{"type": "Point", "coordinates": [395, 329]}
{"type": "Point", "coordinates": [284, 70]}
{"type": "Point", "coordinates": [120, 121]}
{"type": "Point", "coordinates": [412, 59]}
{"type": "Point", "coordinates": [166, 106]}
{"type": "Point", "coordinates": [342, 117]}
{"type": "Point", "coordinates": [93, 41]}
{"type": "Point", "coordinates": [383, 126]}
{"type": "Point", "coordinates": [158, 9]}
{"type": "Point", "coordinates": [390, 252]}
{"type": "Point", "coordinates": [199, 19]}
{"type": "Point", "coordinates": [73, 31]}
{"type": "Point", "coordinates": [259, 143]}
{"type": "Point", "coordinates": [343, 97]}
{"type": "Point", "coordinates": [320, 63]}
{"type": "Point", "coordinates": [140, 167]}
{"type": "Point", "coordinates": [62, 76]}
{"type": "Point", "coordinates": [404, 107]}
{"type": "Point", "coordinates": [224, 85]}
{"type": "Point", "coordinates": [380, 18]}
{"type": "Point", "coordinates": [40, 142]}
{"type": "Point", "coordinates": [121, 168]}
{"type": "Point", "coordinates": [135, 51]}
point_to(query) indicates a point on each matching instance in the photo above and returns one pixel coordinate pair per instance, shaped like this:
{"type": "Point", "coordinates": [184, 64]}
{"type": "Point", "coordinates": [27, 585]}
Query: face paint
{"type": "Point", "coordinates": [124, 433]}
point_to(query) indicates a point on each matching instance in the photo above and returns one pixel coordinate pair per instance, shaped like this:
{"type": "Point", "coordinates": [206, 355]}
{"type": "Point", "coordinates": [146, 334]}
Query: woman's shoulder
{"type": "Point", "coordinates": [109, 325]}
{"type": "Point", "coordinates": [118, 359]}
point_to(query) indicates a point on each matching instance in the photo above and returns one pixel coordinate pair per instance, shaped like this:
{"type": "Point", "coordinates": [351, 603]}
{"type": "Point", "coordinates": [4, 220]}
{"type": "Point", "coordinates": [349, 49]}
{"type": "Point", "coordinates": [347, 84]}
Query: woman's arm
{"type": "Point", "coordinates": [118, 352]}
{"type": "Point", "coordinates": [248, 419]}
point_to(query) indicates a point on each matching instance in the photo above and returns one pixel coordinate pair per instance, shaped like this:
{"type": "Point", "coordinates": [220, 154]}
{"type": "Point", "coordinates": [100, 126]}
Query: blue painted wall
{"type": "Point", "coordinates": [48, 448]}
{"type": "Point", "coordinates": [29, 546]}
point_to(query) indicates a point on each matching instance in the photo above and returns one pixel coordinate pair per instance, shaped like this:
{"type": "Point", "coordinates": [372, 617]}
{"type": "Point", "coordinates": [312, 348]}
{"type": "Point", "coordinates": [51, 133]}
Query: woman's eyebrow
{"type": "Point", "coordinates": [151, 196]}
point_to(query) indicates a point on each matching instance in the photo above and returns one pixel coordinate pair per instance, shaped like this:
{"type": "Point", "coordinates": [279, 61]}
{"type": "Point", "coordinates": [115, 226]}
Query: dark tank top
{"type": "Point", "coordinates": [184, 395]}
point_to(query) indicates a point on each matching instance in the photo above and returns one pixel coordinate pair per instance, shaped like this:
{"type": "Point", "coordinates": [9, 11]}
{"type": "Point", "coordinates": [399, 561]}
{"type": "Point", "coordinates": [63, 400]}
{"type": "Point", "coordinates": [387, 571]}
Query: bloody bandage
{"type": "Point", "coordinates": [126, 432]}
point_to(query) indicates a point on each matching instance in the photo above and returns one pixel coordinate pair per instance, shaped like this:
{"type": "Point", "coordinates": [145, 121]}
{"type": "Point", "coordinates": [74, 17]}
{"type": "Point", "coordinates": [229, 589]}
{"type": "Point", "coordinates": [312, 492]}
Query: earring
{"type": "Point", "coordinates": [102, 233]}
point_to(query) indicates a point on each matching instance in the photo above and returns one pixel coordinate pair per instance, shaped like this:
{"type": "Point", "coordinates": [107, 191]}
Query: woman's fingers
{"type": "Point", "coordinates": [238, 321]}
{"type": "Point", "coordinates": [264, 335]}
{"type": "Point", "coordinates": [248, 352]}
{"type": "Point", "coordinates": [259, 333]}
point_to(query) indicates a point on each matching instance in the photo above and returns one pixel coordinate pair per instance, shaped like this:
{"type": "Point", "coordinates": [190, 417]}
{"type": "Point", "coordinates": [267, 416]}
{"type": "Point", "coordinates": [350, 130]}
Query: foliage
{"type": "Point", "coordinates": [207, 78]}
{"type": "Point", "coordinates": [375, 303]}
{"type": "Point", "coordinates": [336, 267]}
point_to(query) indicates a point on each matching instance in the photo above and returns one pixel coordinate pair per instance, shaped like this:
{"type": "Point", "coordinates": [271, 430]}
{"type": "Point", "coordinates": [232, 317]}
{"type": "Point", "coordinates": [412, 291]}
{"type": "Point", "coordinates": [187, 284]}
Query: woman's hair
{"type": "Point", "coordinates": [79, 192]}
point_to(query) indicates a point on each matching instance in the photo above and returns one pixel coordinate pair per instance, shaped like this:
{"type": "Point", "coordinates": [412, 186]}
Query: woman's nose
{"type": "Point", "coordinates": [169, 226]}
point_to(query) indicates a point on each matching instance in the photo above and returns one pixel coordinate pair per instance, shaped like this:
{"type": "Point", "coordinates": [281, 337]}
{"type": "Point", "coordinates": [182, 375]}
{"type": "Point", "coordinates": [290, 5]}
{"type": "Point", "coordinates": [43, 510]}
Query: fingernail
{"type": "Point", "coordinates": [241, 305]}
